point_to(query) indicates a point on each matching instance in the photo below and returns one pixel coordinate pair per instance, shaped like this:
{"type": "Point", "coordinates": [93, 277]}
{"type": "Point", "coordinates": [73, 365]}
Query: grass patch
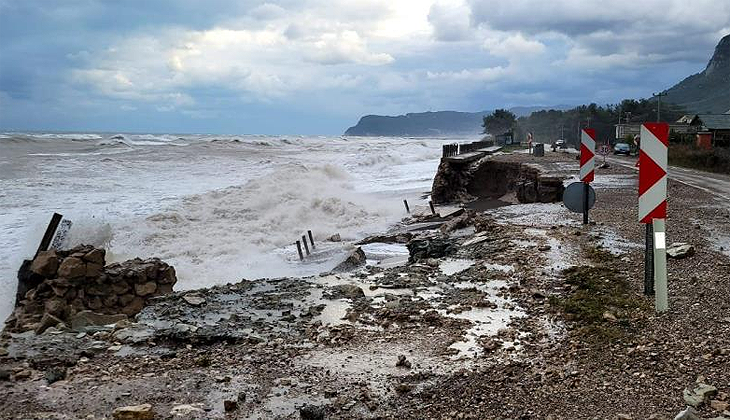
{"type": "Point", "coordinates": [714, 160]}
{"type": "Point", "coordinates": [601, 304]}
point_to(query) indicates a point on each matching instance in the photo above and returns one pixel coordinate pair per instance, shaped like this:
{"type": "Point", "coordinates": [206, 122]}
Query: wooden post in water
{"type": "Point", "coordinates": [299, 250]}
{"type": "Point", "coordinates": [311, 239]}
{"type": "Point", "coordinates": [430, 204]}
{"type": "Point", "coordinates": [408, 210]}
{"type": "Point", "coordinates": [48, 236]}
{"type": "Point", "coordinates": [306, 247]}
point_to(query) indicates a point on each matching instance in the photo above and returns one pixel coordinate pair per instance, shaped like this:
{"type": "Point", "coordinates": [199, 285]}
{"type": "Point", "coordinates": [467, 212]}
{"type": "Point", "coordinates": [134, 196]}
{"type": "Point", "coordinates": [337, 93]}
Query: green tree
{"type": "Point", "coordinates": [499, 122]}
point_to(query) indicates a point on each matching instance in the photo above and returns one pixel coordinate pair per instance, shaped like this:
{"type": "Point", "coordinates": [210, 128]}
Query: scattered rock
{"type": "Point", "coordinates": [609, 316]}
{"type": "Point", "coordinates": [403, 388]}
{"type": "Point", "coordinates": [335, 238]}
{"type": "Point", "coordinates": [403, 362]}
{"type": "Point", "coordinates": [202, 361]}
{"type": "Point", "coordinates": [354, 260]}
{"type": "Point", "coordinates": [430, 248]}
{"type": "Point", "coordinates": [349, 291]}
{"type": "Point", "coordinates": [688, 413]}
{"type": "Point", "coordinates": [230, 405]}
{"type": "Point", "coordinates": [311, 412]}
{"type": "Point", "coordinates": [699, 395]}
{"type": "Point", "coordinates": [432, 317]}
{"type": "Point", "coordinates": [3, 352]}
{"type": "Point", "coordinates": [193, 299]}
{"type": "Point", "coordinates": [719, 405]}
{"type": "Point", "coordinates": [186, 410]}
{"type": "Point", "coordinates": [4, 375]}
{"type": "Point", "coordinates": [680, 250]}
{"type": "Point", "coordinates": [85, 319]}
{"type": "Point", "coordinates": [23, 374]}
{"type": "Point", "coordinates": [544, 248]}
{"type": "Point", "coordinates": [134, 412]}
{"type": "Point", "coordinates": [55, 374]}
{"type": "Point", "coordinates": [47, 321]}
{"type": "Point", "coordinates": [490, 344]}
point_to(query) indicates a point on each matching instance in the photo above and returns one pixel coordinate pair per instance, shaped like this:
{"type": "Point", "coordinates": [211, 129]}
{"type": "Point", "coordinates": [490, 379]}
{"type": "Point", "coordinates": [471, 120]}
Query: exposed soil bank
{"type": "Point", "coordinates": [493, 177]}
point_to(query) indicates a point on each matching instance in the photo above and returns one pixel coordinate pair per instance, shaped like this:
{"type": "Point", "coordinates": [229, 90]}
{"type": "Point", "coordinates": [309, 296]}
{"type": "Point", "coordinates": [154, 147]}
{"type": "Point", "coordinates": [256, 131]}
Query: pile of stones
{"type": "Point", "coordinates": [56, 285]}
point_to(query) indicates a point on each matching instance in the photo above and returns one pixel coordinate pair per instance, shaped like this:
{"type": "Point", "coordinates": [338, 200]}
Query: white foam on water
{"type": "Point", "coordinates": [218, 208]}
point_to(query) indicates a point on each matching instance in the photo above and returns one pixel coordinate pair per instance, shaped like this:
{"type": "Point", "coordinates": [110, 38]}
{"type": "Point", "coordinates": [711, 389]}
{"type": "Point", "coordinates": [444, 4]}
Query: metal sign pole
{"type": "Point", "coordinates": [649, 261]}
{"type": "Point", "coordinates": [660, 265]}
{"type": "Point", "coordinates": [585, 202]}
{"type": "Point", "coordinates": [652, 191]}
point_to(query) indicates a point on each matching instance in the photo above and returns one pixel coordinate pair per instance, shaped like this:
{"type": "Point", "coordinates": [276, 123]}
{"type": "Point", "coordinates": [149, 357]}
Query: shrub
{"type": "Point", "coordinates": [714, 160]}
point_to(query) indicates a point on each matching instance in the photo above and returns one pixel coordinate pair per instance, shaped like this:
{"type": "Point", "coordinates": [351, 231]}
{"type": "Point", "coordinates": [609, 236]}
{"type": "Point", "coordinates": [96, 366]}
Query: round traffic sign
{"type": "Point", "coordinates": [573, 197]}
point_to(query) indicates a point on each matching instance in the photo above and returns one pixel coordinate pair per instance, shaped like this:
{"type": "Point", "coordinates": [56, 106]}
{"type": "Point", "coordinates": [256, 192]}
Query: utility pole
{"type": "Point", "coordinates": [658, 97]}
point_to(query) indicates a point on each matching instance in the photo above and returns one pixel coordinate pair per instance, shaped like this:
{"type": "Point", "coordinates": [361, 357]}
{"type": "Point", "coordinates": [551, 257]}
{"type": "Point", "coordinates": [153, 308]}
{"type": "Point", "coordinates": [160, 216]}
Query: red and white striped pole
{"type": "Point", "coordinates": [653, 207]}
{"type": "Point", "coordinates": [587, 165]}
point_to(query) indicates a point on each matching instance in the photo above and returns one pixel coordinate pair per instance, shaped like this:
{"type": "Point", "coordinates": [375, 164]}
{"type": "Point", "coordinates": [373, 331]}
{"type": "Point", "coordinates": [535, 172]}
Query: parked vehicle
{"type": "Point", "coordinates": [559, 144]}
{"type": "Point", "coordinates": [622, 149]}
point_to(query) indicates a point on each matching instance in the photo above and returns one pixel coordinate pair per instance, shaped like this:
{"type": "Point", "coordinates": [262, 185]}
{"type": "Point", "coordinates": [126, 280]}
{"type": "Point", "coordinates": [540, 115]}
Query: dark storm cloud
{"type": "Point", "coordinates": [316, 65]}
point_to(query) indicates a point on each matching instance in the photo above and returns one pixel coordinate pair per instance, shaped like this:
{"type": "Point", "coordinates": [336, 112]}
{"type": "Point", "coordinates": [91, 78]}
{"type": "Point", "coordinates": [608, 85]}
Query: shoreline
{"type": "Point", "coordinates": [269, 345]}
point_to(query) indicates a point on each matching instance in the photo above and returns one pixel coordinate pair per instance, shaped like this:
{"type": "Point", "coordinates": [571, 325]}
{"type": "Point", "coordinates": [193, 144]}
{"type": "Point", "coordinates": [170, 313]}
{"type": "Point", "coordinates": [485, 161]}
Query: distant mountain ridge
{"type": "Point", "coordinates": [427, 124]}
{"type": "Point", "coordinates": [707, 92]}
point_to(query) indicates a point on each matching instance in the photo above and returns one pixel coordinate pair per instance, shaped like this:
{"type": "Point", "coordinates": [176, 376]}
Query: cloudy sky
{"type": "Point", "coordinates": [315, 66]}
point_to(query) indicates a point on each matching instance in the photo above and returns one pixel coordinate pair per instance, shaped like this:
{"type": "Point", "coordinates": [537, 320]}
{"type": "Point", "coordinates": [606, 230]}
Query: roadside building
{"type": "Point", "coordinates": [712, 130]}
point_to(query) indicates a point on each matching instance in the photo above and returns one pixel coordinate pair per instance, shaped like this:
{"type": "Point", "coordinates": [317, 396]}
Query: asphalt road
{"type": "Point", "coordinates": [716, 184]}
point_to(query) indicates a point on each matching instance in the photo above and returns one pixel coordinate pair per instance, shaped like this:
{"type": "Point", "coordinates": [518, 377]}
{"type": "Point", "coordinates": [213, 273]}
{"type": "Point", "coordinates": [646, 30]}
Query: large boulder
{"type": "Point", "coordinates": [698, 395]}
{"type": "Point", "coordinates": [430, 248]}
{"type": "Point", "coordinates": [45, 264]}
{"type": "Point", "coordinates": [71, 268]}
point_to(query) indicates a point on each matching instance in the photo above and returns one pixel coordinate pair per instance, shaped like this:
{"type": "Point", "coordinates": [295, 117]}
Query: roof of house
{"type": "Point", "coordinates": [715, 121]}
{"type": "Point", "coordinates": [686, 119]}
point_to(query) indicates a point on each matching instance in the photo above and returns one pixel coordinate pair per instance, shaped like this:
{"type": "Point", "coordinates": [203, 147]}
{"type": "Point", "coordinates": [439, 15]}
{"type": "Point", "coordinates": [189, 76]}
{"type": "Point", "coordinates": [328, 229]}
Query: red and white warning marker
{"type": "Point", "coordinates": [653, 172]}
{"type": "Point", "coordinates": [587, 154]}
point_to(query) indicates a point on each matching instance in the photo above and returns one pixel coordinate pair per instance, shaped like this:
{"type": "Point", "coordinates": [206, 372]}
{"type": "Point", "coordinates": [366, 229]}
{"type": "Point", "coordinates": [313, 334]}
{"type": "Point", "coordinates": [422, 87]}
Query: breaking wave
{"type": "Point", "coordinates": [248, 230]}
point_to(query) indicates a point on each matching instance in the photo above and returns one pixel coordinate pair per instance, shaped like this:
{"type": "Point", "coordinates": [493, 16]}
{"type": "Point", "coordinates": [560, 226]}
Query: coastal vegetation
{"type": "Point", "coordinates": [547, 126]}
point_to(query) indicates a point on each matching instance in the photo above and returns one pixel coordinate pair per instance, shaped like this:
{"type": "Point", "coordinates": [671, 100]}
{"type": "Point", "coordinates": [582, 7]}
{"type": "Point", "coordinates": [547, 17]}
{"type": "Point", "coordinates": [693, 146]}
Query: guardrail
{"type": "Point", "coordinates": [457, 149]}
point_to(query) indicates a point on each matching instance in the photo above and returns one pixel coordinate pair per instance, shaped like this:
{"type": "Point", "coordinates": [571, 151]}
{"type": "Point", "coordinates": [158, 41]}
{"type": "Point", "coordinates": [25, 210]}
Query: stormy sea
{"type": "Point", "coordinates": [217, 208]}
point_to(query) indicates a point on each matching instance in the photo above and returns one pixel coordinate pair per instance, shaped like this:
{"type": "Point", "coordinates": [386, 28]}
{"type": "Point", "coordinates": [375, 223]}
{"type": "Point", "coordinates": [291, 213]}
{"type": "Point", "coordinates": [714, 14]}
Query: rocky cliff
{"type": "Point", "coordinates": [419, 124]}
{"type": "Point", "coordinates": [707, 91]}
